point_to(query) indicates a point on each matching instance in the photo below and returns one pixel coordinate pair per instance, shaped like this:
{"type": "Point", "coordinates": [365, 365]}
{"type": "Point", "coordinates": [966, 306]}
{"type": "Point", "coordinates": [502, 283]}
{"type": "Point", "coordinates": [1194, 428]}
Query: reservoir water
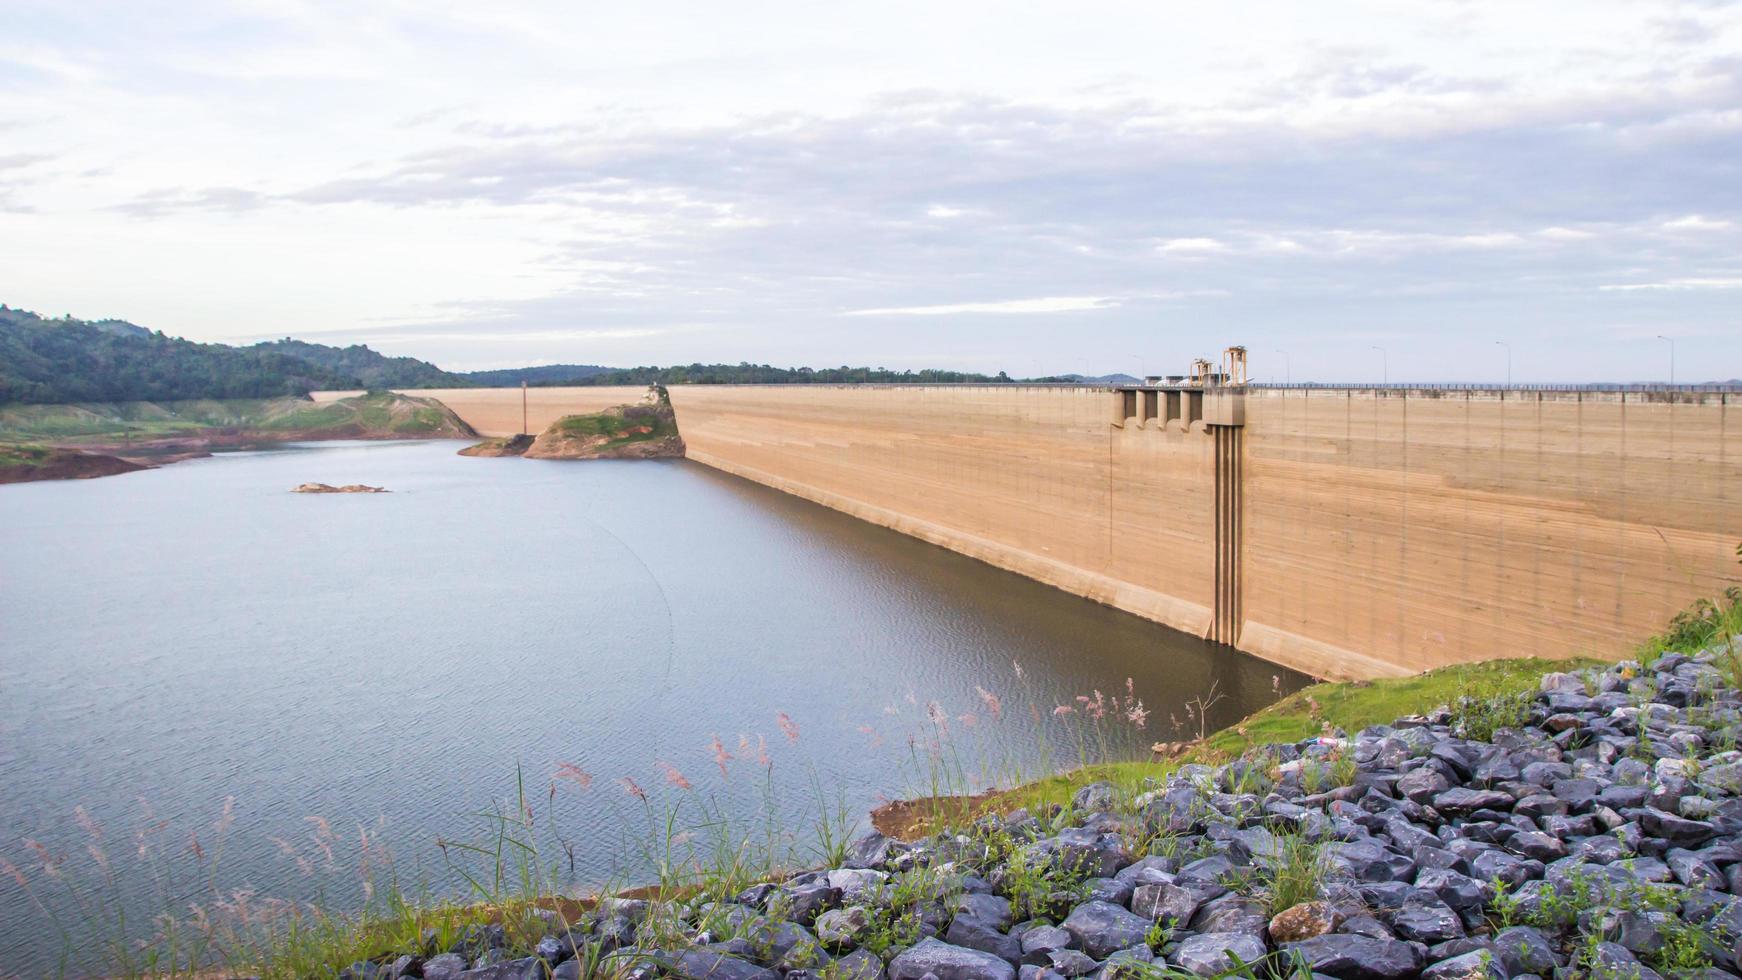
{"type": "Point", "coordinates": [198, 666]}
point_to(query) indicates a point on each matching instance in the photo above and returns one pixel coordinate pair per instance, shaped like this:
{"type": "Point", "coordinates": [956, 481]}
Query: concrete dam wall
{"type": "Point", "coordinates": [1378, 531]}
{"type": "Point", "coordinates": [1341, 532]}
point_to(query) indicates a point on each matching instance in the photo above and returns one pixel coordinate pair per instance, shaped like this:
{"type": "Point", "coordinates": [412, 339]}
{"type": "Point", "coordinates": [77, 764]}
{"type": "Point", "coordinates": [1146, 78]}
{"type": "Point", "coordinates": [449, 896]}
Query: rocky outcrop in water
{"type": "Point", "coordinates": [329, 488]}
{"type": "Point", "coordinates": [1591, 828]}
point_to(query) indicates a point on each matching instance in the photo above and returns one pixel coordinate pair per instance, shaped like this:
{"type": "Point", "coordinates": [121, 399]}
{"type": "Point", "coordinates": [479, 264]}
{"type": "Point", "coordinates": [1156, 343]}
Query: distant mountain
{"type": "Point", "coordinates": [372, 369]}
{"type": "Point", "coordinates": [70, 360]}
{"type": "Point", "coordinates": [546, 375]}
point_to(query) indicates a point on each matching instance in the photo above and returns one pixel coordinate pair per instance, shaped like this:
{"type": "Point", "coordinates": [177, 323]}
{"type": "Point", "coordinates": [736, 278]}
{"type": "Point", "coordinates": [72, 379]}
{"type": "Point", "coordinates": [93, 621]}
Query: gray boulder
{"type": "Point", "coordinates": [1102, 927]}
{"type": "Point", "coordinates": [1523, 949]}
{"type": "Point", "coordinates": [1475, 965]}
{"type": "Point", "coordinates": [1093, 798]}
{"type": "Point", "coordinates": [1041, 940]}
{"type": "Point", "coordinates": [1171, 903]}
{"type": "Point", "coordinates": [1611, 961]}
{"type": "Point", "coordinates": [858, 885]}
{"type": "Point", "coordinates": [1679, 831]}
{"type": "Point", "coordinates": [970, 932]}
{"type": "Point", "coordinates": [1426, 919]}
{"type": "Point", "coordinates": [447, 966]}
{"type": "Point", "coordinates": [946, 962]}
{"type": "Point", "coordinates": [843, 928]}
{"type": "Point", "coordinates": [868, 851]}
{"type": "Point", "coordinates": [857, 965]}
{"type": "Point", "coordinates": [702, 964]}
{"type": "Point", "coordinates": [1211, 953]}
{"type": "Point", "coordinates": [990, 909]}
{"type": "Point", "coordinates": [1070, 963]}
{"type": "Point", "coordinates": [1461, 800]}
{"type": "Point", "coordinates": [1350, 957]}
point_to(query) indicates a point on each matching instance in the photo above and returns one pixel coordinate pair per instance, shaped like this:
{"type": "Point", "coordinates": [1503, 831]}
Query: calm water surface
{"type": "Point", "coordinates": [398, 663]}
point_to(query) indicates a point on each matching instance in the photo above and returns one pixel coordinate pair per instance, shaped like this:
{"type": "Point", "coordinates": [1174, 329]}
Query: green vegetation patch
{"type": "Point", "coordinates": [27, 457]}
{"type": "Point", "coordinates": [620, 427]}
{"type": "Point", "coordinates": [1350, 706]}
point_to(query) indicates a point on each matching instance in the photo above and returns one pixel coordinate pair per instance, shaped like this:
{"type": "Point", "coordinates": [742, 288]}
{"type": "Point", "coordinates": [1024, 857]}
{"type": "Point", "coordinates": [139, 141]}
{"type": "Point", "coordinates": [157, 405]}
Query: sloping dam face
{"type": "Point", "coordinates": [1341, 532]}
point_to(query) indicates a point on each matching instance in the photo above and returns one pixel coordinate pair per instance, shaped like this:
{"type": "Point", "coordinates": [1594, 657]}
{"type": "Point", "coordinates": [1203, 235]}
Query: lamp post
{"type": "Point", "coordinates": [1384, 365]}
{"type": "Point", "coordinates": [1671, 357]}
{"type": "Point", "coordinates": [1287, 368]}
{"type": "Point", "coordinates": [1508, 361]}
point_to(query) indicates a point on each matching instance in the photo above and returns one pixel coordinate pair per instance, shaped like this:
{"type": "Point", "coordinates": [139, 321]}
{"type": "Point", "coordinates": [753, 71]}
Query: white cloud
{"type": "Point", "coordinates": [541, 173]}
{"type": "Point", "coordinates": [1192, 246]}
{"type": "Point", "coordinates": [1050, 304]}
{"type": "Point", "coordinates": [1676, 285]}
{"type": "Point", "coordinates": [1695, 222]}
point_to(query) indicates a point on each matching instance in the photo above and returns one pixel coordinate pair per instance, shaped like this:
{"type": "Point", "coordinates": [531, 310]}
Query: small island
{"type": "Point", "coordinates": [329, 488]}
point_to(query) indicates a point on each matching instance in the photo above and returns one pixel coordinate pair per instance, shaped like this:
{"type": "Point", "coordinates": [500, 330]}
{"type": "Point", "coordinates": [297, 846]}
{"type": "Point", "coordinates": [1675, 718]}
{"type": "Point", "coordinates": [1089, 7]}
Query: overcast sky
{"type": "Point", "coordinates": [1036, 188]}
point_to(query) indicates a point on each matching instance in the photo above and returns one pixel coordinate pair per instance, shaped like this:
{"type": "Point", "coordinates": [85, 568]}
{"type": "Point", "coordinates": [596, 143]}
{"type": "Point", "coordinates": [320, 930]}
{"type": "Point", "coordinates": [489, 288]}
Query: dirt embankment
{"type": "Point", "coordinates": [645, 430]}
{"type": "Point", "coordinates": [23, 464]}
{"type": "Point", "coordinates": [142, 435]}
{"type": "Point", "coordinates": [511, 446]}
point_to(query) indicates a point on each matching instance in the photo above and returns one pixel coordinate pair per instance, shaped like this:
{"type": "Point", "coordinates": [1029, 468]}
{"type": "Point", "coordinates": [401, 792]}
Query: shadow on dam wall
{"type": "Point", "coordinates": [1345, 532]}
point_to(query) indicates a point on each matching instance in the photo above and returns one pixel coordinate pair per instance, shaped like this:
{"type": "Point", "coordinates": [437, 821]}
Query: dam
{"type": "Point", "coordinates": [1345, 532]}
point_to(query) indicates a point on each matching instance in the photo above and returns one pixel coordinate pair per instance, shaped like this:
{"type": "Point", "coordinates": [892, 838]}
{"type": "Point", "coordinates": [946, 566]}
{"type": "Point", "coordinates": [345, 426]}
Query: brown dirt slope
{"type": "Point", "coordinates": [510, 446]}
{"type": "Point", "coordinates": [23, 464]}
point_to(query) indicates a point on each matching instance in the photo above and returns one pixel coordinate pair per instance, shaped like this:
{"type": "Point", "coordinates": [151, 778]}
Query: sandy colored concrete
{"type": "Point", "coordinates": [1383, 532]}
{"type": "Point", "coordinates": [1035, 480]}
{"type": "Point", "coordinates": [1426, 527]}
{"type": "Point", "coordinates": [495, 412]}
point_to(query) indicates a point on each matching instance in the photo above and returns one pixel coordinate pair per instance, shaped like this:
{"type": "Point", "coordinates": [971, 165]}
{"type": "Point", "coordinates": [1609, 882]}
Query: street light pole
{"type": "Point", "coordinates": [1287, 368]}
{"type": "Point", "coordinates": [1671, 357]}
{"type": "Point", "coordinates": [1384, 365]}
{"type": "Point", "coordinates": [1508, 361]}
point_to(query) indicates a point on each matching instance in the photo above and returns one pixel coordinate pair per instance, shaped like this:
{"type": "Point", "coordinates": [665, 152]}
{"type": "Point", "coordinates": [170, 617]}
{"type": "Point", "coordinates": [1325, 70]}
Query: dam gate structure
{"type": "Point", "coordinates": [1343, 531]}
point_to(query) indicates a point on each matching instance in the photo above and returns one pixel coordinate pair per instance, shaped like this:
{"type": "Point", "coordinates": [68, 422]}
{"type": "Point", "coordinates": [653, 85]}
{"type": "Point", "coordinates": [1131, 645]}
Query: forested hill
{"type": "Point", "coordinates": [738, 374]}
{"type": "Point", "coordinates": [70, 360]}
{"type": "Point", "coordinates": [541, 376]}
{"type": "Point", "coordinates": [374, 370]}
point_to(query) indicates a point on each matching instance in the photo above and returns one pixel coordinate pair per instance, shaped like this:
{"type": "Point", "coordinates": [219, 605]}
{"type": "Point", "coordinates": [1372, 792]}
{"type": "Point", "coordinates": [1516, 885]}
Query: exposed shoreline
{"type": "Point", "coordinates": [365, 417]}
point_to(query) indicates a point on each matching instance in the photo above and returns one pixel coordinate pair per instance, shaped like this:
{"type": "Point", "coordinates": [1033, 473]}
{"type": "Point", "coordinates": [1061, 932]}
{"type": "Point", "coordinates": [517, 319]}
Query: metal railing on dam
{"type": "Point", "coordinates": [1348, 530]}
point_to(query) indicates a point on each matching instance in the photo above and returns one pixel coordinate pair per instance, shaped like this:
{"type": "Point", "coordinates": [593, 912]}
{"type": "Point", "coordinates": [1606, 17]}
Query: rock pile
{"type": "Point", "coordinates": [1593, 828]}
